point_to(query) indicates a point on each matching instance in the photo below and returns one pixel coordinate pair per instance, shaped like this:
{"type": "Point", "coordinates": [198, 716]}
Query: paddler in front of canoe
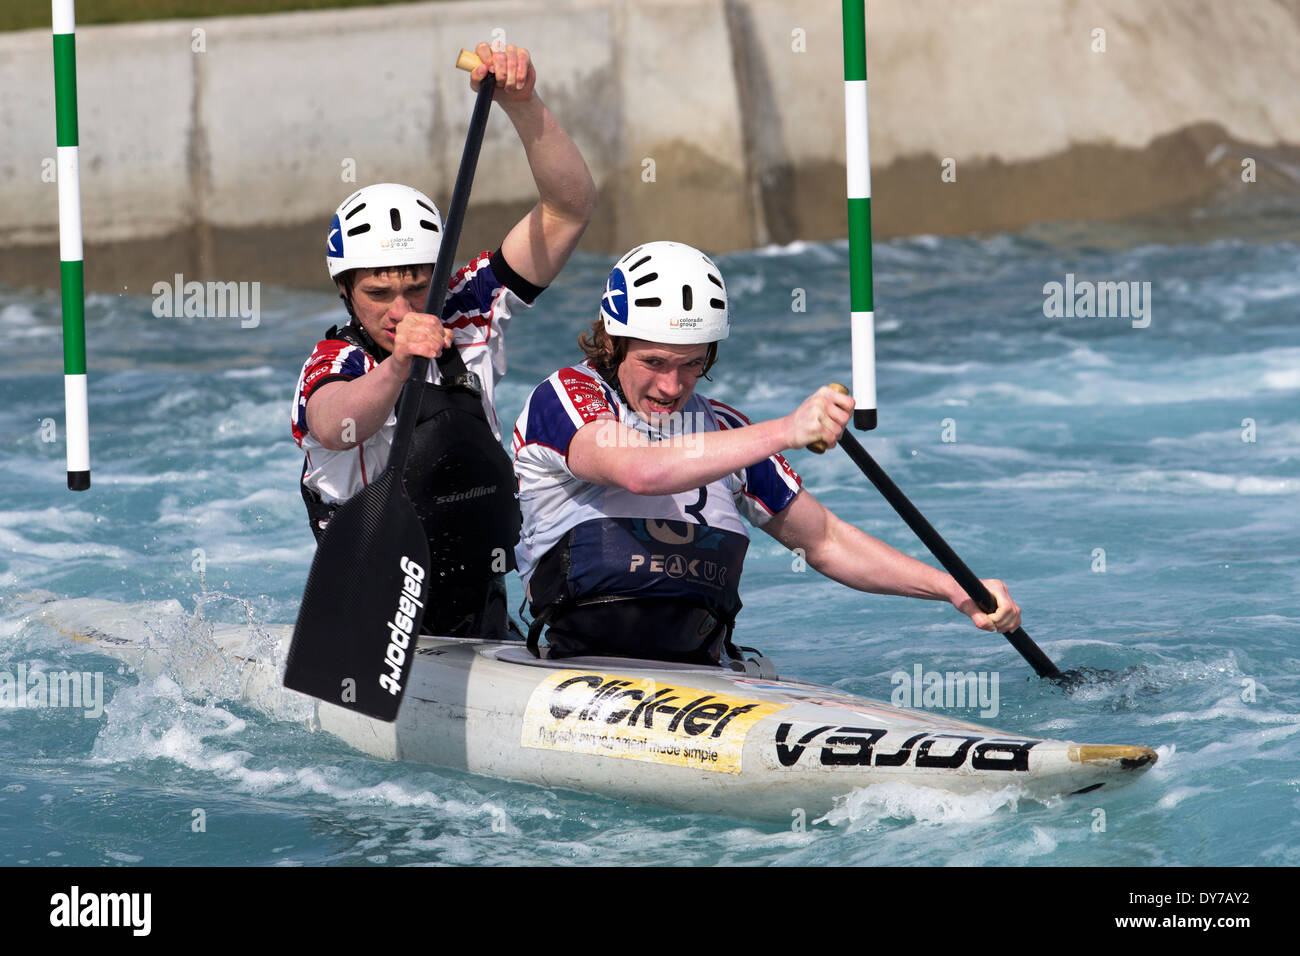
{"type": "Point", "coordinates": [633, 486]}
{"type": "Point", "coordinates": [380, 251]}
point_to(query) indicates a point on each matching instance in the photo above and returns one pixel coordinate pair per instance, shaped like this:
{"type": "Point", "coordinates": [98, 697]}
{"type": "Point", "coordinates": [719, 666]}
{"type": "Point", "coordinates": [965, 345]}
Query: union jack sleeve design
{"type": "Point", "coordinates": [557, 408]}
{"type": "Point", "coordinates": [771, 484]}
{"type": "Point", "coordinates": [471, 297]}
{"type": "Point", "coordinates": [331, 360]}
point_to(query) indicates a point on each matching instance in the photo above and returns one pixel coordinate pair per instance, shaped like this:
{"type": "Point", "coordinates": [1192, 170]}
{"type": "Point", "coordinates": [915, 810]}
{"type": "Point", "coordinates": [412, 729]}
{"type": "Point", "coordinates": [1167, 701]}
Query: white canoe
{"type": "Point", "coordinates": [677, 736]}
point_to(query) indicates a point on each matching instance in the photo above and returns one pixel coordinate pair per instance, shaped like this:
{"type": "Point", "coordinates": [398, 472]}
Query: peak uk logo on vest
{"type": "Point", "coordinates": [676, 567]}
{"type": "Point", "coordinates": [710, 572]}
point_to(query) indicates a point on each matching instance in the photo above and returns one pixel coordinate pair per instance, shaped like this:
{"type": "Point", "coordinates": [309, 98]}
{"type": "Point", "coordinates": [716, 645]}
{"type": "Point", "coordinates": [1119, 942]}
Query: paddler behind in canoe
{"type": "Point", "coordinates": [380, 251]}
{"type": "Point", "coordinates": [633, 486]}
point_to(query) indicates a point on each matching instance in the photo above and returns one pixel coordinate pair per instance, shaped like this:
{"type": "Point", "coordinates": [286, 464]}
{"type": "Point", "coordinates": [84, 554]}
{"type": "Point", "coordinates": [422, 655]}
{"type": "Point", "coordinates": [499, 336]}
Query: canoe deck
{"type": "Point", "coordinates": [678, 736]}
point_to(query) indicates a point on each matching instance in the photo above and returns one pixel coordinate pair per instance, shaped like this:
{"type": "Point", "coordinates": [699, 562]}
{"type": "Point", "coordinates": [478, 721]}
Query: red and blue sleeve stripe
{"type": "Point", "coordinates": [771, 482]}
{"type": "Point", "coordinates": [548, 422]}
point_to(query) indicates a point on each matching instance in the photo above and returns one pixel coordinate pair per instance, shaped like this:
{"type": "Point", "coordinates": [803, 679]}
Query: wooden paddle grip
{"type": "Point", "coordinates": [468, 61]}
{"type": "Point", "coordinates": [819, 447]}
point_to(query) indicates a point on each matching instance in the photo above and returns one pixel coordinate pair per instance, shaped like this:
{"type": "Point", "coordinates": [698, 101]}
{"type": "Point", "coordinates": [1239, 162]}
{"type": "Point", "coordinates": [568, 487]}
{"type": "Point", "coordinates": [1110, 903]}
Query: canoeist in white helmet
{"type": "Point", "coordinates": [633, 486]}
{"type": "Point", "coordinates": [380, 250]}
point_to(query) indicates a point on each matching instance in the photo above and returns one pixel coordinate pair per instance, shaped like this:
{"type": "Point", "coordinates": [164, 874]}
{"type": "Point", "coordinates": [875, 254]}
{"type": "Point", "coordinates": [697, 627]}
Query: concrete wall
{"type": "Point", "coordinates": [220, 146]}
{"type": "Point", "coordinates": [1044, 126]}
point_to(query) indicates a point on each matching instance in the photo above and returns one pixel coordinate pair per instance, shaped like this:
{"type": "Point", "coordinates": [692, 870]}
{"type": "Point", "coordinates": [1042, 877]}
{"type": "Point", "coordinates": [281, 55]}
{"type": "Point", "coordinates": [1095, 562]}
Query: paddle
{"type": "Point", "coordinates": [954, 565]}
{"type": "Point", "coordinates": [354, 641]}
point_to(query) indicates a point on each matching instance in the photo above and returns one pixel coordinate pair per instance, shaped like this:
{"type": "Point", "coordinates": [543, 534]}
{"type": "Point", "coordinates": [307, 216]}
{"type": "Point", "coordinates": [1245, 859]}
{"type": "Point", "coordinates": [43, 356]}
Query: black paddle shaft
{"type": "Point", "coordinates": [954, 565]}
{"type": "Point", "coordinates": [408, 410]}
{"type": "Point", "coordinates": [363, 605]}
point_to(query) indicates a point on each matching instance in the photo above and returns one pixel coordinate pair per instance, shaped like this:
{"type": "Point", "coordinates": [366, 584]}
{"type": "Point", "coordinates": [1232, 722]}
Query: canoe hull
{"type": "Point", "coordinates": [695, 739]}
{"type": "Point", "coordinates": [676, 736]}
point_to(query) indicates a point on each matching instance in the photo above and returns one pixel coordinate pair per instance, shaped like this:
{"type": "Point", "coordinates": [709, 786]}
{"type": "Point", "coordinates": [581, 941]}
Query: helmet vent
{"type": "Point", "coordinates": [354, 212]}
{"type": "Point", "coordinates": [650, 303]}
{"type": "Point", "coordinates": [358, 230]}
{"type": "Point", "coordinates": [638, 264]}
{"type": "Point", "coordinates": [395, 218]}
{"type": "Point", "coordinates": [686, 298]}
{"type": "Point", "coordinates": [717, 304]}
{"type": "Point", "coordinates": [715, 280]}
{"type": "Point", "coordinates": [648, 277]}
{"type": "Point", "coordinates": [431, 226]}
{"type": "Point", "coordinates": [425, 205]}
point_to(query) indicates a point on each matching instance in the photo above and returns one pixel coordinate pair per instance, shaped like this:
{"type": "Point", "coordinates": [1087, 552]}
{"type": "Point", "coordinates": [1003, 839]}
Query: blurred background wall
{"type": "Point", "coordinates": [218, 147]}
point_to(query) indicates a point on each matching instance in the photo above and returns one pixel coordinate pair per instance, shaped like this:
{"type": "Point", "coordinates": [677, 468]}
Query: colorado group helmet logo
{"type": "Point", "coordinates": [614, 303]}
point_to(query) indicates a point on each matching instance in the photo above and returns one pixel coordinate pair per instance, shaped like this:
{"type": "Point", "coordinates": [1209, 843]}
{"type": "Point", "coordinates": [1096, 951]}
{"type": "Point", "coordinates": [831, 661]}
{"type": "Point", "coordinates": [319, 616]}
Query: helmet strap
{"type": "Point", "coordinates": [363, 338]}
{"type": "Point", "coordinates": [347, 301]}
{"type": "Point", "coordinates": [345, 293]}
{"type": "Point", "coordinates": [610, 374]}
{"type": "Point", "coordinates": [368, 343]}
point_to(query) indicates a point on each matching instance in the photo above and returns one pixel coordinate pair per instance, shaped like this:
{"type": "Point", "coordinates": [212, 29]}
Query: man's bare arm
{"type": "Point", "coordinates": [538, 246]}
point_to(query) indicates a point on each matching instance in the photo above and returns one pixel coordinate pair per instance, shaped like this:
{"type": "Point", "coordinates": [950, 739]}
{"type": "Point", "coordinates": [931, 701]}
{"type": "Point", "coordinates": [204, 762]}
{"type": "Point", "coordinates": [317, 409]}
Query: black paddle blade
{"type": "Point", "coordinates": [355, 638]}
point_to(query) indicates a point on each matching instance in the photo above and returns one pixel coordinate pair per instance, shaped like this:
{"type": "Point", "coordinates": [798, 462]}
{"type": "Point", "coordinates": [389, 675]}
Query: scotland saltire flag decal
{"type": "Point", "coordinates": [614, 302]}
{"type": "Point", "coordinates": [334, 241]}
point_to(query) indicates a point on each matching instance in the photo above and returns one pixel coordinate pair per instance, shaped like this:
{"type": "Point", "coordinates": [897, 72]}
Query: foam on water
{"type": "Point", "coordinates": [872, 806]}
{"type": "Point", "coordinates": [1144, 480]}
{"type": "Point", "coordinates": [53, 519]}
{"type": "Point", "coordinates": [17, 544]}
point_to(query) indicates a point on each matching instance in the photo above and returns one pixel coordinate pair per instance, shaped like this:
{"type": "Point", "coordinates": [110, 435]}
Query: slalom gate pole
{"type": "Point", "coordinates": [858, 167]}
{"type": "Point", "coordinates": [72, 281]}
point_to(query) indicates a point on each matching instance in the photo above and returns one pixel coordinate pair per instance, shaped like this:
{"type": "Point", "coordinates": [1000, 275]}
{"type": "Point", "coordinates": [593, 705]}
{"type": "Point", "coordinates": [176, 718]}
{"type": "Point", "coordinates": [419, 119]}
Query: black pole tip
{"type": "Point", "coordinates": [78, 481]}
{"type": "Point", "coordinates": [864, 419]}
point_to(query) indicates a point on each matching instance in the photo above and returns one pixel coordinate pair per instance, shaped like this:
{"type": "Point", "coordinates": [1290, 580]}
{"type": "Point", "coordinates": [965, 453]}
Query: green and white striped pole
{"type": "Point", "coordinates": [71, 274]}
{"type": "Point", "coordinates": [858, 166]}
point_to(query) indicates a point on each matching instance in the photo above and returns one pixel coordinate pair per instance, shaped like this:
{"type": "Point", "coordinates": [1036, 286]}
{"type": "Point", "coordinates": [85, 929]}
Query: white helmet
{"type": "Point", "coordinates": [666, 292]}
{"type": "Point", "coordinates": [386, 224]}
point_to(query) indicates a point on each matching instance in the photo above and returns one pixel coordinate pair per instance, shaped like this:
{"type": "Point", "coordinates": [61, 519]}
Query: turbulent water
{"type": "Point", "coordinates": [1133, 478]}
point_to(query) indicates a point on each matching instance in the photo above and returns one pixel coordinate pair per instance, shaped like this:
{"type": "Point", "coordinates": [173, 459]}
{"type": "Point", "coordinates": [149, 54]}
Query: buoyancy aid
{"type": "Point", "coordinates": [639, 587]}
